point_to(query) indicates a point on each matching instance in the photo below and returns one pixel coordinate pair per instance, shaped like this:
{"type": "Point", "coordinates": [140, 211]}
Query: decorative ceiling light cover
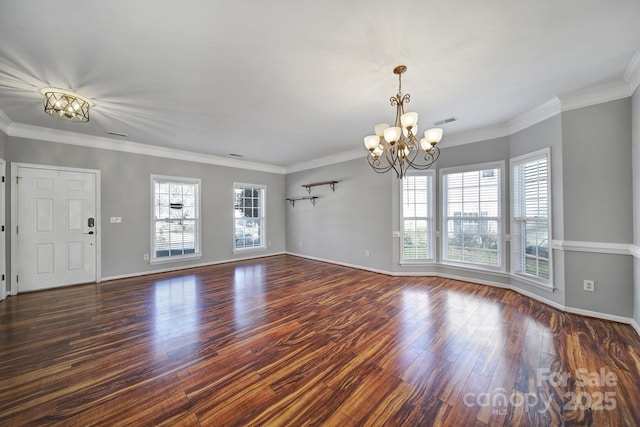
{"type": "Point", "coordinates": [66, 105]}
{"type": "Point", "coordinates": [397, 147]}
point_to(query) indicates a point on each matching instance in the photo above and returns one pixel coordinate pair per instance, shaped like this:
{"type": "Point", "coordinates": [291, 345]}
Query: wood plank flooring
{"type": "Point", "coordinates": [288, 341]}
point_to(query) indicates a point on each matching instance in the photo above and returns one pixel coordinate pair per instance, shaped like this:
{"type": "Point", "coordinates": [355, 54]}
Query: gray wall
{"type": "Point", "coordinates": [635, 138]}
{"type": "Point", "coordinates": [125, 192]}
{"type": "Point", "coordinates": [596, 145]}
{"type": "Point", "coordinates": [344, 224]}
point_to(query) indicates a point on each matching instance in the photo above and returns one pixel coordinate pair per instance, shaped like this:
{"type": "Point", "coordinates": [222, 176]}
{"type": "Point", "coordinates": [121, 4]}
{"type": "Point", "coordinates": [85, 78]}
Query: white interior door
{"type": "Point", "coordinates": [56, 228]}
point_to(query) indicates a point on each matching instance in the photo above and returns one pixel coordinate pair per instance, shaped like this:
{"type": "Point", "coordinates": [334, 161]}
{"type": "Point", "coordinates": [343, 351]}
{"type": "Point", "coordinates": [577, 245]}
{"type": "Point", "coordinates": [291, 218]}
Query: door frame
{"type": "Point", "coordinates": [14, 216]}
{"type": "Point", "coordinates": [3, 239]}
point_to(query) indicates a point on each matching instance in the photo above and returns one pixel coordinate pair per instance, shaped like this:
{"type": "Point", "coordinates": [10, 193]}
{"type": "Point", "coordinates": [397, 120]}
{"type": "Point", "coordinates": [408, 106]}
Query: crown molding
{"type": "Point", "coordinates": [596, 94]}
{"type": "Point", "coordinates": [632, 75]}
{"type": "Point", "coordinates": [535, 115]}
{"type": "Point", "coordinates": [475, 135]}
{"type": "Point", "coordinates": [328, 160]}
{"type": "Point", "coordinates": [5, 122]}
{"type": "Point", "coordinates": [73, 138]}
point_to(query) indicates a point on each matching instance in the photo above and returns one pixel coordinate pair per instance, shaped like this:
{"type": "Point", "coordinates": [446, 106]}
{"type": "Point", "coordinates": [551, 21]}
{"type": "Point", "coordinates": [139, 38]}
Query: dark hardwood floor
{"type": "Point", "coordinates": [288, 341]}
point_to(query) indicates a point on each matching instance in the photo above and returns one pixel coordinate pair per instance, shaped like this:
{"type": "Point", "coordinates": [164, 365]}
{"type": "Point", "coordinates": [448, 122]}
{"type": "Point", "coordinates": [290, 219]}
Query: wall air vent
{"type": "Point", "coordinates": [445, 121]}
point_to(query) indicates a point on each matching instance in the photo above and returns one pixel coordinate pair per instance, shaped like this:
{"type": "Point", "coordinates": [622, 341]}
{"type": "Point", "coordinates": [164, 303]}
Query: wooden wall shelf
{"type": "Point", "coordinates": [332, 184]}
{"type": "Point", "coordinates": [293, 200]}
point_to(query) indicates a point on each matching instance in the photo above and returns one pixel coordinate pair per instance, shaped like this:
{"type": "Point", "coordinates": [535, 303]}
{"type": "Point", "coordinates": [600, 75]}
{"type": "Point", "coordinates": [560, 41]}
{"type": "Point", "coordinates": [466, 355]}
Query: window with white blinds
{"type": "Point", "coordinates": [530, 229]}
{"type": "Point", "coordinates": [417, 217]}
{"type": "Point", "coordinates": [472, 214]}
{"type": "Point", "coordinates": [175, 228]}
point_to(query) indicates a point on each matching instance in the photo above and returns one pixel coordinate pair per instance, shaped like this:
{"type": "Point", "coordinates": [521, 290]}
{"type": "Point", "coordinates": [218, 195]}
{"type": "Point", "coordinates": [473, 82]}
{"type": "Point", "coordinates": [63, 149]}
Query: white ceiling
{"type": "Point", "coordinates": [289, 81]}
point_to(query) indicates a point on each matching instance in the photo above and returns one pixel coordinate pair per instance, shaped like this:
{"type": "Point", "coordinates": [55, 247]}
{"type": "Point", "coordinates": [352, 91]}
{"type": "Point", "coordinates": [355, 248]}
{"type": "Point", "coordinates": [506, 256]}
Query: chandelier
{"type": "Point", "coordinates": [396, 147]}
{"type": "Point", "coordinates": [66, 105]}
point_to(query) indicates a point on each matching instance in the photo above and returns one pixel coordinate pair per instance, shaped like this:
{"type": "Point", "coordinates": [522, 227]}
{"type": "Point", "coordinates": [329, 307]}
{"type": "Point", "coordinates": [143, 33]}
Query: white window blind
{"type": "Point", "coordinates": [175, 218]}
{"type": "Point", "coordinates": [472, 217]}
{"type": "Point", "coordinates": [530, 228]}
{"type": "Point", "coordinates": [417, 217]}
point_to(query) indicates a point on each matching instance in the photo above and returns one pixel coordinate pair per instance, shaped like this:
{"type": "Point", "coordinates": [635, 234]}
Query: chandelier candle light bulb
{"type": "Point", "coordinates": [396, 147]}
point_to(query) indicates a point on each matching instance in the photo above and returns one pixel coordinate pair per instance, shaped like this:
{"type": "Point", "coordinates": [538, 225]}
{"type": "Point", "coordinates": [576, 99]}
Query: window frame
{"type": "Point", "coordinates": [444, 235]}
{"type": "Point", "coordinates": [430, 218]}
{"type": "Point", "coordinates": [262, 219]}
{"type": "Point", "coordinates": [513, 163]}
{"type": "Point", "coordinates": [153, 259]}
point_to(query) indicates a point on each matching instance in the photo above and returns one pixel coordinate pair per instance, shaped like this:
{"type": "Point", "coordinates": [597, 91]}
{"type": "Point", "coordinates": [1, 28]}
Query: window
{"type": "Point", "coordinates": [417, 217]}
{"type": "Point", "coordinates": [530, 229]}
{"type": "Point", "coordinates": [175, 228]}
{"type": "Point", "coordinates": [249, 216]}
{"type": "Point", "coordinates": [472, 216]}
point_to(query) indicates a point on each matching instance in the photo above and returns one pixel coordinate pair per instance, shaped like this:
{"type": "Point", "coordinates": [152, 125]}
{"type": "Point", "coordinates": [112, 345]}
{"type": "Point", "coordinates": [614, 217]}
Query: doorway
{"type": "Point", "coordinates": [55, 214]}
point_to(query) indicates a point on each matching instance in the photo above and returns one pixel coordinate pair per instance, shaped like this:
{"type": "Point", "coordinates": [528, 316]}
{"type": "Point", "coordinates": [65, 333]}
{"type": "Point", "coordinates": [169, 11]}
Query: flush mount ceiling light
{"type": "Point", "coordinates": [396, 147]}
{"type": "Point", "coordinates": [66, 105]}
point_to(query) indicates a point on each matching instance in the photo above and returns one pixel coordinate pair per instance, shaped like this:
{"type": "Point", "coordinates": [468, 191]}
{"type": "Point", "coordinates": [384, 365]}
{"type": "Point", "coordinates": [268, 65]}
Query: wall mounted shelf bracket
{"type": "Point", "coordinates": [332, 184]}
{"type": "Point", "coordinates": [293, 200]}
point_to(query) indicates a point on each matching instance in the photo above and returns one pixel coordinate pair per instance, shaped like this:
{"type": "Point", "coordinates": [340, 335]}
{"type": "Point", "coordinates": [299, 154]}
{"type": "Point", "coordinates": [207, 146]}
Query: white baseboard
{"type": "Point", "coordinates": [185, 267]}
{"type": "Point", "coordinates": [344, 264]}
{"type": "Point", "coordinates": [566, 309]}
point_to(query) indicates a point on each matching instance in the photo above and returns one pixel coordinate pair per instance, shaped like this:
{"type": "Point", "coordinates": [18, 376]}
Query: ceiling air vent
{"type": "Point", "coordinates": [445, 121]}
{"type": "Point", "coordinates": [124, 135]}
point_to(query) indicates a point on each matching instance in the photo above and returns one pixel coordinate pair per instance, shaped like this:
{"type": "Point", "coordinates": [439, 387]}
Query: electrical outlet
{"type": "Point", "coordinates": [145, 257]}
{"type": "Point", "coordinates": [366, 253]}
{"type": "Point", "coordinates": [589, 285]}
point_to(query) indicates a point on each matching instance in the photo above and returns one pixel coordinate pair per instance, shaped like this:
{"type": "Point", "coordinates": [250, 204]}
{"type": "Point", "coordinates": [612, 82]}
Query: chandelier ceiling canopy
{"type": "Point", "coordinates": [397, 147]}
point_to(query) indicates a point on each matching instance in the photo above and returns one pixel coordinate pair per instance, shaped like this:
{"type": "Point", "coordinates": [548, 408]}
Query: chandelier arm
{"type": "Point", "coordinates": [376, 165]}
{"type": "Point", "coordinates": [413, 154]}
{"type": "Point", "coordinates": [429, 157]}
{"type": "Point", "coordinates": [392, 158]}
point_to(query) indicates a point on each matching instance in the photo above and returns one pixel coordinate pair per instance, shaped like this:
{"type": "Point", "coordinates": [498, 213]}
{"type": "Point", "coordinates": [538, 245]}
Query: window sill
{"type": "Point", "coordinates": [498, 271]}
{"type": "Point", "coordinates": [475, 267]}
{"type": "Point", "coordinates": [169, 259]}
{"type": "Point", "coordinates": [253, 249]}
{"type": "Point", "coordinates": [418, 262]}
{"type": "Point", "coordinates": [533, 282]}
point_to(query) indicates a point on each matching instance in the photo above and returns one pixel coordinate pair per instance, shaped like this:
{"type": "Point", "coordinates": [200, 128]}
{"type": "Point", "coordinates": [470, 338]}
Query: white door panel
{"type": "Point", "coordinates": [56, 244]}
